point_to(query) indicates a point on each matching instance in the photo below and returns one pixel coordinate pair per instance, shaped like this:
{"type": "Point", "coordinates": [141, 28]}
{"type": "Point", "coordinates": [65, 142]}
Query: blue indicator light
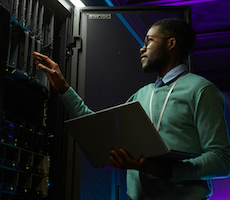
{"type": "Point", "coordinates": [11, 125]}
{"type": "Point", "coordinates": [10, 136]}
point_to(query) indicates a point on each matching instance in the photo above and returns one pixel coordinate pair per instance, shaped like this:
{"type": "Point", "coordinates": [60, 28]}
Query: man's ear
{"type": "Point", "coordinates": [172, 43]}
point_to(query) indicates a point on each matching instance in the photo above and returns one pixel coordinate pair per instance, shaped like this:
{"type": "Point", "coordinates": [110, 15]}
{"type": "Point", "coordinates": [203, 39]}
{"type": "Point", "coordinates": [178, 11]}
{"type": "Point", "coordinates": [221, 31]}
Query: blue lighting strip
{"type": "Point", "coordinates": [126, 24]}
{"type": "Point", "coordinates": [109, 2]}
{"type": "Point", "coordinates": [130, 29]}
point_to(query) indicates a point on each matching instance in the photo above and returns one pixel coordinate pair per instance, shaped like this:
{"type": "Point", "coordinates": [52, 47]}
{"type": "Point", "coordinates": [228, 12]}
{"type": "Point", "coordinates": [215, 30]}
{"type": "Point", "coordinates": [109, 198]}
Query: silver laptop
{"type": "Point", "coordinates": [124, 126]}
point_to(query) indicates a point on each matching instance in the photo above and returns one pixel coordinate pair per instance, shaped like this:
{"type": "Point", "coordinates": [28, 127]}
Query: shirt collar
{"type": "Point", "coordinates": [173, 73]}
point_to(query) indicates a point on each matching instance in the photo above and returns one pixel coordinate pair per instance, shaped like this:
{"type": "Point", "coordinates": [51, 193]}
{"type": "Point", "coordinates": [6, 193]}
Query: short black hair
{"type": "Point", "coordinates": [181, 31]}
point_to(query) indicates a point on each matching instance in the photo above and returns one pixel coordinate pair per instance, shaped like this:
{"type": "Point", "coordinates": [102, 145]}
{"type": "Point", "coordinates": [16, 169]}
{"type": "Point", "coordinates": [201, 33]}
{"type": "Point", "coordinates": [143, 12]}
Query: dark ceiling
{"type": "Point", "coordinates": [211, 21]}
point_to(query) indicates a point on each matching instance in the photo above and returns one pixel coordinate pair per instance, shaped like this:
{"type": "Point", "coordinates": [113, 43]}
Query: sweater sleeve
{"type": "Point", "coordinates": [74, 103]}
{"type": "Point", "coordinates": [210, 122]}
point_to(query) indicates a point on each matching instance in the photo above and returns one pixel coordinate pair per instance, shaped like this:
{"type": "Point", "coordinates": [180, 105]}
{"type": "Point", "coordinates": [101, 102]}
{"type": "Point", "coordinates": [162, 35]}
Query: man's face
{"type": "Point", "coordinates": [153, 53]}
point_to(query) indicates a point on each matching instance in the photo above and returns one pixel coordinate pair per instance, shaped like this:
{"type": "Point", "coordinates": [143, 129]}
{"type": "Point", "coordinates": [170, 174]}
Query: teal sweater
{"type": "Point", "coordinates": [193, 122]}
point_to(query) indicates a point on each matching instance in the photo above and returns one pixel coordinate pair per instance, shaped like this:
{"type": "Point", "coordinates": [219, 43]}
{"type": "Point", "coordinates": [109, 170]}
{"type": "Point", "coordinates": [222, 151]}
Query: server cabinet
{"type": "Point", "coordinates": [109, 72]}
{"type": "Point", "coordinates": [32, 139]}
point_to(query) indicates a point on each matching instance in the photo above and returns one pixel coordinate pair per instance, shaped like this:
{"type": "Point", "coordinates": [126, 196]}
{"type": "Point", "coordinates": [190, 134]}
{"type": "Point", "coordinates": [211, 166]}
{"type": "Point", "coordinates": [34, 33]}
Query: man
{"type": "Point", "coordinates": [187, 111]}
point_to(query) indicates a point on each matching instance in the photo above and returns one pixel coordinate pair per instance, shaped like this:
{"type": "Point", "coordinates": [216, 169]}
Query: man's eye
{"type": "Point", "coordinates": [148, 40]}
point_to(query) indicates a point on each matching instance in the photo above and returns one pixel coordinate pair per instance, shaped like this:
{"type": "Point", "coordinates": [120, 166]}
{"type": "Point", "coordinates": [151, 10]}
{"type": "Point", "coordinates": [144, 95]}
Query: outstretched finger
{"type": "Point", "coordinates": [45, 60]}
{"type": "Point", "coordinates": [45, 69]}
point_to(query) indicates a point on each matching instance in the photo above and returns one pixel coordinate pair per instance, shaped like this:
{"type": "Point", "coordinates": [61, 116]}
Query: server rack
{"type": "Point", "coordinates": [30, 165]}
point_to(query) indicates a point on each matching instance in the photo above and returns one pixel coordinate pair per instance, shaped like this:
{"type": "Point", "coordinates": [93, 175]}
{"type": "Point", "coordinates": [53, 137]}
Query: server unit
{"type": "Point", "coordinates": [29, 159]}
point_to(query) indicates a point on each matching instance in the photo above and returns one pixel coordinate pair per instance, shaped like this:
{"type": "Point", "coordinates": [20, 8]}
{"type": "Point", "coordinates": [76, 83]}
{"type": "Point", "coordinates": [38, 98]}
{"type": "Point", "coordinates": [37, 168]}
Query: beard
{"type": "Point", "coordinates": [156, 62]}
{"type": "Point", "coordinates": [153, 65]}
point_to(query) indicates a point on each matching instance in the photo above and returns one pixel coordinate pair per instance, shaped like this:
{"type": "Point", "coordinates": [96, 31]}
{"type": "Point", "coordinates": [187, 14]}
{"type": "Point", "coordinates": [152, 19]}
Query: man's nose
{"type": "Point", "coordinates": [143, 49]}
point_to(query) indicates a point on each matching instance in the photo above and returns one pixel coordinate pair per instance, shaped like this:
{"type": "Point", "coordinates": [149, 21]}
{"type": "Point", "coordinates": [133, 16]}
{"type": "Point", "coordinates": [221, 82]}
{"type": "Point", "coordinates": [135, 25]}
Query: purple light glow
{"type": "Point", "coordinates": [171, 2]}
{"type": "Point", "coordinates": [186, 2]}
{"type": "Point", "coordinates": [220, 189]}
{"type": "Point", "coordinates": [213, 35]}
{"type": "Point", "coordinates": [211, 50]}
{"type": "Point", "coordinates": [108, 167]}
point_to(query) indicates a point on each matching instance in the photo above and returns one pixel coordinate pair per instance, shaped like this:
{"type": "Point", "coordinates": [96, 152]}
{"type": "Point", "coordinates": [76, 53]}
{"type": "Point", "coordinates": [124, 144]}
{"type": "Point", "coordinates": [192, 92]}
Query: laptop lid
{"type": "Point", "coordinates": [124, 126]}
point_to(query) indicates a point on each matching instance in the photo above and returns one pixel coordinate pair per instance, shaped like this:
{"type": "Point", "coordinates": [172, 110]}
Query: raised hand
{"type": "Point", "coordinates": [52, 71]}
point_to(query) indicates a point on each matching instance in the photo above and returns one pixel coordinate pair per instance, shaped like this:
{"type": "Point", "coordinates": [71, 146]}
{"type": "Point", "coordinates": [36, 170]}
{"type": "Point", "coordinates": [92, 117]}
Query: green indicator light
{"type": "Point", "coordinates": [2, 140]}
{"type": "Point", "coordinates": [14, 164]}
{"type": "Point", "coordinates": [11, 188]}
{"type": "Point", "coordinates": [15, 144]}
{"type": "Point", "coordinates": [16, 140]}
{"type": "Point", "coordinates": [25, 190]}
{"type": "Point", "coordinates": [27, 167]}
{"type": "Point", "coordinates": [26, 143]}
